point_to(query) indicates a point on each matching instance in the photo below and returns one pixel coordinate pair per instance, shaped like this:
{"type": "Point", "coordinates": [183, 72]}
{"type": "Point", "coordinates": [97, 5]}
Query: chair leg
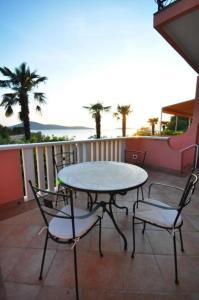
{"type": "Point", "coordinates": [133, 230]}
{"type": "Point", "coordinates": [43, 257]}
{"type": "Point", "coordinates": [76, 274]}
{"type": "Point", "coordinates": [100, 237]}
{"type": "Point", "coordinates": [144, 226]}
{"type": "Point", "coordinates": [137, 195]}
{"type": "Point", "coordinates": [181, 241]}
{"type": "Point", "coordinates": [175, 259]}
{"type": "Point", "coordinates": [142, 193]}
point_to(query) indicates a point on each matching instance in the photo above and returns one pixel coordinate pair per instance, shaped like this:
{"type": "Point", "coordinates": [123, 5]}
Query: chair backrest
{"type": "Point", "coordinates": [135, 157]}
{"type": "Point", "coordinates": [188, 191]}
{"type": "Point", "coordinates": [64, 159]}
{"type": "Point", "coordinates": [49, 205]}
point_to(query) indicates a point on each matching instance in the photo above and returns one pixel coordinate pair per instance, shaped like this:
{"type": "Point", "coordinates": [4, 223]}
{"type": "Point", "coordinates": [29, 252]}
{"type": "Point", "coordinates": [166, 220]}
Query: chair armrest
{"type": "Point", "coordinates": [65, 215]}
{"type": "Point", "coordinates": [152, 204]}
{"type": "Point", "coordinates": [164, 185]}
{"type": "Point", "coordinates": [49, 192]}
{"type": "Point", "coordinates": [92, 212]}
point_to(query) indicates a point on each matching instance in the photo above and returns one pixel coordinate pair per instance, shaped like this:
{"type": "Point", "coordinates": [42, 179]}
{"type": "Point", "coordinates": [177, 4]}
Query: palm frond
{"type": "Point", "coordinates": [20, 116]}
{"type": "Point", "coordinates": [9, 99]}
{"type": "Point", "coordinates": [38, 109]}
{"type": "Point", "coordinates": [124, 109]}
{"type": "Point", "coordinates": [116, 115]}
{"type": "Point", "coordinates": [39, 80]}
{"type": "Point", "coordinates": [97, 107]}
{"type": "Point", "coordinates": [40, 97]}
{"type": "Point", "coordinates": [5, 83]}
{"type": "Point", "coordinates": [106, 108]}
{"type": "Point", "coordinates": [6, 72]}
{"type": "Point", "coordinates": [9, 111]}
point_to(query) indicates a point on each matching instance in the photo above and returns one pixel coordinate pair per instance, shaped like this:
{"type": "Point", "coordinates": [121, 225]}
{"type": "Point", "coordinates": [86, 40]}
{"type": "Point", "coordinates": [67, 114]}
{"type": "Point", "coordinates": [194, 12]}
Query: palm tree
{"type": "Point", "coordinates": [153, 122]}
{"type": "Point", "coordinates": [164, 124]}
{"type": "Point", "coordinates": [124, 111]}
{"type": "Point", "coordinates": [95, 110]}
{"type": "Point", "coordinates": [21, 82]}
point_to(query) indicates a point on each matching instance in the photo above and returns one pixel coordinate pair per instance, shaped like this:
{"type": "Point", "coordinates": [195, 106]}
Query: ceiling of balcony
{"type": "Point", "coordinates": [182, 32]}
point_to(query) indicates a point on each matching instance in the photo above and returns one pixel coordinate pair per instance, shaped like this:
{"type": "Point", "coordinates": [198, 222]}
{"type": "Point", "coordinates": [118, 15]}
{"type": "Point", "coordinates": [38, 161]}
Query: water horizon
{"type": "Point", "coordinates": [84, 134]}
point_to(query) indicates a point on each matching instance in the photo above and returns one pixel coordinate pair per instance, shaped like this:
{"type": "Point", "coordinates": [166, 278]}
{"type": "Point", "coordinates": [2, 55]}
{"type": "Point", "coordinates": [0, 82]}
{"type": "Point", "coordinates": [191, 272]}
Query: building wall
{"type": "Point", "coordinates": [192, 135]}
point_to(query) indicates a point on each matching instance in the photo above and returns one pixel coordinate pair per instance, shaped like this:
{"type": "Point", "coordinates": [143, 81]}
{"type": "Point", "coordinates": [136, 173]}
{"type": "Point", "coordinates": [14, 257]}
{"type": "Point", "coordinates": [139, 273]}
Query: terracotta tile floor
{"type": "Point", "coordinates": [149, 276]}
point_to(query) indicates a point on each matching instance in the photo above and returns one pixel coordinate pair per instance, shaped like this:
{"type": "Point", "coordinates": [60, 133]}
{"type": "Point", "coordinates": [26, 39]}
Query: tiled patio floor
{"type": "Point", "coordinates": [150, 275]}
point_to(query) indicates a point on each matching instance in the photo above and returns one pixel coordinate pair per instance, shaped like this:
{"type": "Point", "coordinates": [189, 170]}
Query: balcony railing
{"type": "Point", "coordinates": [162, 4]}
{"type": "Point", "coordinates": [36, 161]}
{"type": "Point", "coordinates": [21, 163]}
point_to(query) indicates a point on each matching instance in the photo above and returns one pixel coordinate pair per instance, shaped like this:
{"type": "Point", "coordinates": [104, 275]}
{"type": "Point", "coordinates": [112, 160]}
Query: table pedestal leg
{"type": "Point", "coordinates": [111, 215]}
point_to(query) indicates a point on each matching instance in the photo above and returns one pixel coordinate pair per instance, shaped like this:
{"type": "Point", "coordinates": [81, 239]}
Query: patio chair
{"type": "Point", "coordinates": [62, 160]}
{"type": "Point", "coordinates": [65, 224]}
{"type": "Point", "coordinates": [136, 158]}
{"type": "Point", "coordinates": [161, 215]}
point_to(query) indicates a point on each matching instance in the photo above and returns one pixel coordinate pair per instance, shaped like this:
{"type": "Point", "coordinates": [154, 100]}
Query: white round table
{"type": "Point", "coordinates": [104, 177]}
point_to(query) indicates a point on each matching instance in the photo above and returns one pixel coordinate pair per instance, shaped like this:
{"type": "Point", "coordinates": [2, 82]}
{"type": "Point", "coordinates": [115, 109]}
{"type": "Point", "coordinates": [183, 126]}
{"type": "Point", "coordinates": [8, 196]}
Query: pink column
{"type": "Point", "coordinates": [11, 184]}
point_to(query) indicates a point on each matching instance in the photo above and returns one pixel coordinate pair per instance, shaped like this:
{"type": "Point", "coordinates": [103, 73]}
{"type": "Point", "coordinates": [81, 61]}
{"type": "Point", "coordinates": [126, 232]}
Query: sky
{"type": "Point", "coordinates": [93, 51]}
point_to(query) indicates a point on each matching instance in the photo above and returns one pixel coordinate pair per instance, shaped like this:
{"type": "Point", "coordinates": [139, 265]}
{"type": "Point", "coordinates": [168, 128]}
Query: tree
{"type": "Point", "coordinates": [181, 122]}
{"type": "Point", "coordinates": [153, 122]}
{"type": "Point", "coordinates": [123, 111]}
{"type": "Point", "coordinates": [95, 110]}
{"type": "Point", "coordinates": [143, 131]}
{"type": "Point", "coordinates": [22, 82]}
{"type": "Point", "coordinates": [164, 125]}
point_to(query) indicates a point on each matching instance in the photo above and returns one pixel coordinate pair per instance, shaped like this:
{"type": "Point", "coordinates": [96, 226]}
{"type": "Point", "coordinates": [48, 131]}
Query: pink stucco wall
{"type": "Point", "coordinates": [159, 153]}
{"type": "Point", "coordinates": [168, 153]}
{"type": "Point", "coordinates": [11, 188]}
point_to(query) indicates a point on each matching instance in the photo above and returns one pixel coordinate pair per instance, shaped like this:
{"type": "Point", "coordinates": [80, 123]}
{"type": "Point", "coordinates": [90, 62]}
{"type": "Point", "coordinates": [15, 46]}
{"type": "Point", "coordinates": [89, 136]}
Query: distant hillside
{"type": "Point", "coordinates": [39, 126]}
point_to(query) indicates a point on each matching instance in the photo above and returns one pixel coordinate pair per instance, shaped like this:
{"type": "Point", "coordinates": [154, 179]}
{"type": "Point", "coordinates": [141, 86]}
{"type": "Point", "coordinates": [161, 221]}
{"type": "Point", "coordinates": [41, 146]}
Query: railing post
{"type": "Point", "coordinates": [107, 150]}
{"type": "Point", "coordinates": [121, 150]}
{"type": "Point", "coordinates": [50, 168]}
{"type": "Point", "coordinates": [97, 150]}
{"type": "Point", "coordinates": [116, 150]}
{"type": "Point", "coordinates": [102, 150]}
{"type": "Point", "coordinates": [29, 171]}
{"type": "Point", "coordinates": [40, 167]}
{"type": "Point", "coordinates": [92, 151]}
{"type": "Point", "coordinates": [84, 152]}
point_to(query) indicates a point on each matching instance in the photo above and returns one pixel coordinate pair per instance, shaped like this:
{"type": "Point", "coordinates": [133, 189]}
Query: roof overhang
{"type": "Point", "coordinates": [183, 109]}
{"type": "Point", "coordinates": [179, 25]}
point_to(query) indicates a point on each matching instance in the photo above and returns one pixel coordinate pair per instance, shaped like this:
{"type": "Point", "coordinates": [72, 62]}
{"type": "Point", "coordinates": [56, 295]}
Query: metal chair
{"type": "Point", "coordinates": [62, 160]}
{"type": "Point", "coordinates": [136, 158]}
{"type": "Point", "coordinates": [65, 224]}
{"type": "Point", "coordinates": [161, 215]}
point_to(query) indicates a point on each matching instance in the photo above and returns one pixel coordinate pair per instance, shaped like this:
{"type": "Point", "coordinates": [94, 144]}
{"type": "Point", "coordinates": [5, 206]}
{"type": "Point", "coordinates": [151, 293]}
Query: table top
{"type": "Point", "coordinates": [103, 176]}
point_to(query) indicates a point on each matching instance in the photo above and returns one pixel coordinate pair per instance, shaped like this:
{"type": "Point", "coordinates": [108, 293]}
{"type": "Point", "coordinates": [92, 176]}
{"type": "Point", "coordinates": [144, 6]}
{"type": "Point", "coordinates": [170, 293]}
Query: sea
{"type": "Point", "coordinates": [84, 134]}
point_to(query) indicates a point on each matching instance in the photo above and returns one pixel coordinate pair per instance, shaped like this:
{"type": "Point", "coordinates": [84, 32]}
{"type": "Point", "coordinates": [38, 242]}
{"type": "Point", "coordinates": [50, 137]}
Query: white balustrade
{"type": "Point", "coordinates": [37, 159]}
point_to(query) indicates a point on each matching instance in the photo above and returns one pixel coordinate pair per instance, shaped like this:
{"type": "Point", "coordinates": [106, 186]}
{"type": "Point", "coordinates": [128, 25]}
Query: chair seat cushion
{"type": "Point", "coordinates": [155, 215]}
{"type": "Point", "coordinates": [62, 227]}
